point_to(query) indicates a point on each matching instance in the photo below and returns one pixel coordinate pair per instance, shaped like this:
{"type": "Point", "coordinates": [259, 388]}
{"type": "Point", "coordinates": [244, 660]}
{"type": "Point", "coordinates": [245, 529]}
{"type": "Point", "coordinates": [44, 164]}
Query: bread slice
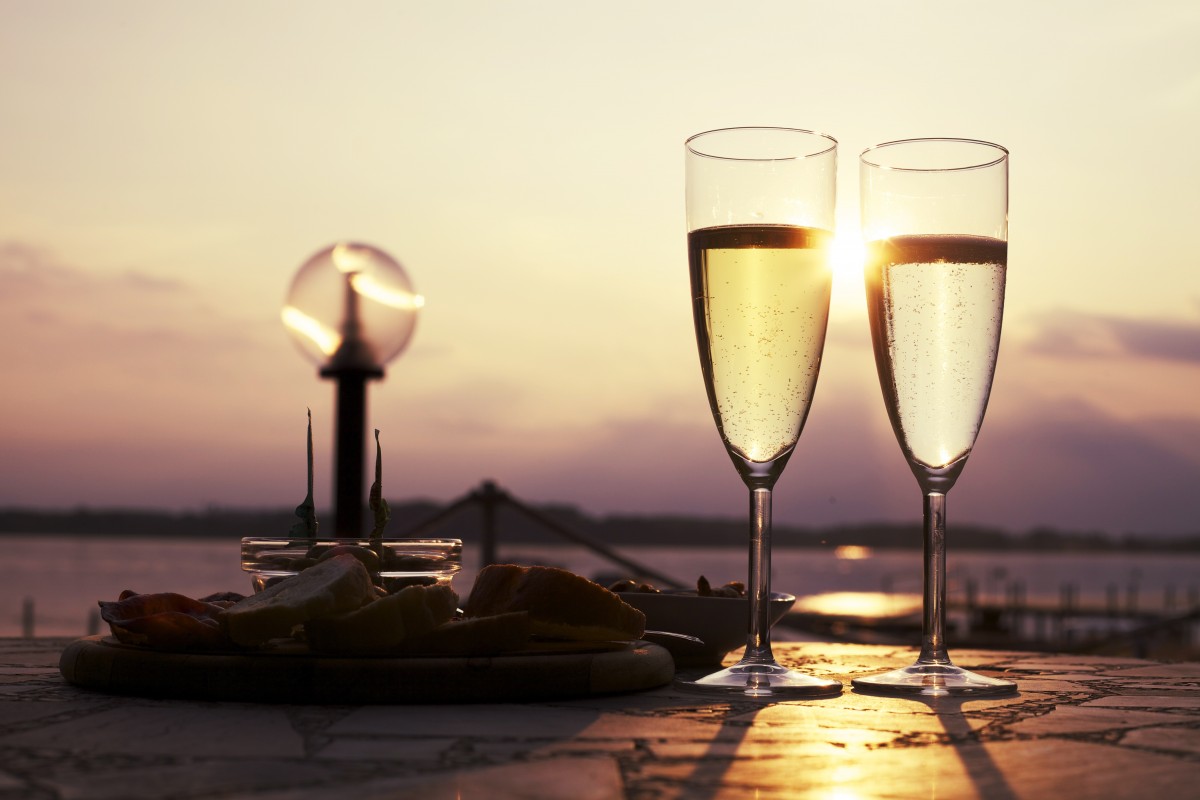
{"type": "Point", "coordinates": [560, 604]}
{"type": "Point", "coordinates": [331, 587]}
{"type": "Point", "coordinates": [384, 625]}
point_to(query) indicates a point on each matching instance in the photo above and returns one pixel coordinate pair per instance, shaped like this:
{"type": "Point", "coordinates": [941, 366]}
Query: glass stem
{"type": "Point", "coordinates": [758, 643]}
{"type": "Point", "coordinates": [933, 623]}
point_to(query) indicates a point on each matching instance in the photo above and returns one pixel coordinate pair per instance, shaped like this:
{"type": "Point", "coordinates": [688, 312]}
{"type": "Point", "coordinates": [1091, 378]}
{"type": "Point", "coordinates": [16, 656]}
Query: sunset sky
{"type": "Point", "coordinates": [166, 167]}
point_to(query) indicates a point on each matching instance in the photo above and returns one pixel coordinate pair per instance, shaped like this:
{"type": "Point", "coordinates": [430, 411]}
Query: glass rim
{"type": "Point", "coordinates": [831, 143]}
{"type": "Point", "coordinates": [1003, 154]}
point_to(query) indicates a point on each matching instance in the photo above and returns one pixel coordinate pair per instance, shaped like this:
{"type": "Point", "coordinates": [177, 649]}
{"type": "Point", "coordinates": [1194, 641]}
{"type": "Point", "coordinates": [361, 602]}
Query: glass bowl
{"type": "Point", "coordinates": [393, 563]}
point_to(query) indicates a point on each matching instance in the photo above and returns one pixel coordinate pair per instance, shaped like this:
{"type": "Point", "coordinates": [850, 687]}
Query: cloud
{"type": "Point", "coordinates": [1067, 464]}
{"type": "Point", "coordinates": [63, 317]}
{"type": "Point", "coordinates": [1076, 334]}
{"type": "Point", "coordinates": [1177, 342]}
{"type": "Point", "coordinates": [91, 355]}
{"type": "Point", "coordinates": [33, 271]}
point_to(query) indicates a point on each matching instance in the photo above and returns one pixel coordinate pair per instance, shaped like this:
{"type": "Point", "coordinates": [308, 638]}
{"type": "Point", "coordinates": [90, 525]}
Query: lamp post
{"type": "Point", "coordinates": [351, 309]}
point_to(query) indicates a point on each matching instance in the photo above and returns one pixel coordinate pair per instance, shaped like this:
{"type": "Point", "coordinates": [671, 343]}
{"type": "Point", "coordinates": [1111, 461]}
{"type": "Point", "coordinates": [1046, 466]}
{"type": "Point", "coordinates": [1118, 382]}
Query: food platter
{"type": "Point", "coordinates": [294, 675]}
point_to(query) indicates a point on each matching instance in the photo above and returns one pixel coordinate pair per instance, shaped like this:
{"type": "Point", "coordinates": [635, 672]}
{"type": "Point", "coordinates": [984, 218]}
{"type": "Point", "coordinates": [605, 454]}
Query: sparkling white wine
{"type": "Point", "coordinates": [760, 300]}
{"type": "Point", "coordinates": [935, 305]}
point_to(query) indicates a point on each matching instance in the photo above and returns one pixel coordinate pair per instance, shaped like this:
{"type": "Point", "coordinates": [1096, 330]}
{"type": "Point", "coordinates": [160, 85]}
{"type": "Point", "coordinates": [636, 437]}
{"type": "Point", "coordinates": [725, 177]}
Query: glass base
{"type": "Point", "coordinates": [769, 681]}
{"type": "Point", "coordinates": [933, 680]}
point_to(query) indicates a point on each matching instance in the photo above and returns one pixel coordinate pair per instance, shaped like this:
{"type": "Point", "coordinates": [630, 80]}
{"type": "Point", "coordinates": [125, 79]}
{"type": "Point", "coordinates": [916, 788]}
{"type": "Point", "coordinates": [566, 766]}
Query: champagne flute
{"type": "Point", "coordinates": [760, 207]}
{"type": "Point", "coordinates": [935, 220]}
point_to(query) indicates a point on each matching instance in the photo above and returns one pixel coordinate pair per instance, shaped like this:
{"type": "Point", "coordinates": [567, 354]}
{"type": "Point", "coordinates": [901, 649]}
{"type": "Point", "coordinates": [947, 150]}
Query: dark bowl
{"type": "Point", "coordinates": [722, 623]}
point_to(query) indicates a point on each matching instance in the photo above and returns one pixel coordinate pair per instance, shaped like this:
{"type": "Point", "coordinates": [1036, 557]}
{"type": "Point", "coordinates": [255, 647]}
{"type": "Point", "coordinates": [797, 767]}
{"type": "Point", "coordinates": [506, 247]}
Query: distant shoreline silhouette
{"type": "Point", "coordinates": [617, 530]}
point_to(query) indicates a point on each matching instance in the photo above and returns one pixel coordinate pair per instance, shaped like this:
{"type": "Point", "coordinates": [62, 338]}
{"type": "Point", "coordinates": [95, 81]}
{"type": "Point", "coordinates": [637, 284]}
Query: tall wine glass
{"type": "Point", "coordinates": [935, 220]}
{"type": "Point", "coordinates": [760, 207]}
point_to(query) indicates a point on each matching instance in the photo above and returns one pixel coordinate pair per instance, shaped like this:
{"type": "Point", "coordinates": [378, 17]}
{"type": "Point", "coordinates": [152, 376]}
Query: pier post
{"type": "Point", "coordinates": [972, 591]}
{"type": "Point", "coordinates": [489, 497]}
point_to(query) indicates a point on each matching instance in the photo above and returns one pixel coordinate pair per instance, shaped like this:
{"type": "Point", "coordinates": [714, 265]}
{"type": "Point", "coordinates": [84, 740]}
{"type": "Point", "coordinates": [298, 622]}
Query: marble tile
{"type": "Point", "coordinates": [492, 720]}
{"type": "Point", "coordinates": [555, 779]}
{"type": "Point", "coordinates": [17, 713]}
{"type": "Point", "coordinates": [1142, 670]}
{"type": "Point", "coordinates": [495, 751]}
{"type": "Point", "coordinates": [1172, 739]}
{"type": "Point", "coordinates": [1181, 701]}
{"type": "Point", "coordinates": [229, 730]}
{"type": "Point", "coordinates": [11, 784]}
{"type": "Point", "coordinates": [675, 751]}
{"type": "Point", "coordinates": [1136, 686]}
{"type": "Point", "coordinates": [408, 750]}
{"type": "Point", "coordinates": [1067, 720]}
{"type": "Point", "coordinates": [150, 780]}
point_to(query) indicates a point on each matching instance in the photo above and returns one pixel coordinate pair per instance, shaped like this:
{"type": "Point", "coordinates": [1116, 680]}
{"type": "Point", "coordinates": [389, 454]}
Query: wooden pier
{"type": "Point", "coordinates": [1121, 623]}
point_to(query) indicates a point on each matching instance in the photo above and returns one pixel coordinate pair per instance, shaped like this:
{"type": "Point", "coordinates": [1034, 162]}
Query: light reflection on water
{"type": "Point", "coordinates": [66, 575]}
{"type": "Point", "coordinates": [860, 604]}
{"type": "Point", "coordinates": [852, 552]}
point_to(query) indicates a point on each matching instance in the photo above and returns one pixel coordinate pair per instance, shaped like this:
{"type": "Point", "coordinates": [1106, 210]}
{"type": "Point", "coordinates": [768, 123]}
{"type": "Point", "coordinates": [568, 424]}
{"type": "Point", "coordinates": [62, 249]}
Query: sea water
{"type": "Point", "coordinates": [53, 583]}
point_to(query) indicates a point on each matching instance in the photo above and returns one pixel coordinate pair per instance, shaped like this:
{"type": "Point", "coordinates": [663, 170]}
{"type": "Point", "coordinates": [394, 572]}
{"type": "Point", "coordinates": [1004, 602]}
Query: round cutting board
{"type": "Point", "coordinates": [102, 663]}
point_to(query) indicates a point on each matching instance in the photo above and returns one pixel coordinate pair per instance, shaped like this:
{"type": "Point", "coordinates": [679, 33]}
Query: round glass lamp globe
{"type": "Point", "coordinates": [351, 307]}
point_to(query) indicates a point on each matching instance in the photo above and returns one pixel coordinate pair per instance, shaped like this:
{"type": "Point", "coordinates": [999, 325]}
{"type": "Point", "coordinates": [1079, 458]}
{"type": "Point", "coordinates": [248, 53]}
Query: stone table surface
{"type": "Point", "coordinates": [1081, 726]}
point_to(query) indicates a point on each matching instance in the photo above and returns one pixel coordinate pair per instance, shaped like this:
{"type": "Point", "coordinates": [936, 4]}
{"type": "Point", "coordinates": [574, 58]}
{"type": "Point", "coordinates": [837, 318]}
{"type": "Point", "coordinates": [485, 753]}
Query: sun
{"type": "Point", "coordinates": [846, 261]}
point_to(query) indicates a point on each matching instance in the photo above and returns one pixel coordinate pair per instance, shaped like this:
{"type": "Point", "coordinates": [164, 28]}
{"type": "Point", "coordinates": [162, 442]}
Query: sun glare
{"type": "Point", "coordinates": [846, 260]}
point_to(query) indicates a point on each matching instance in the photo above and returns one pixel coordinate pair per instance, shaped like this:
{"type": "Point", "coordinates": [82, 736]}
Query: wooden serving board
{"type": "Point", "coordinates": [102, 663]}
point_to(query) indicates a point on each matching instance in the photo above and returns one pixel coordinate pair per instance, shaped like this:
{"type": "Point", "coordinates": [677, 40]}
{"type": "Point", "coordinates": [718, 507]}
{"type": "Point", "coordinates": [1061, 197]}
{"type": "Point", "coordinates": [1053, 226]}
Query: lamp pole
{"type": "Point", "coordinates": [351, 365]}
{"type": "Point", "coordinates": [349, 452]}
